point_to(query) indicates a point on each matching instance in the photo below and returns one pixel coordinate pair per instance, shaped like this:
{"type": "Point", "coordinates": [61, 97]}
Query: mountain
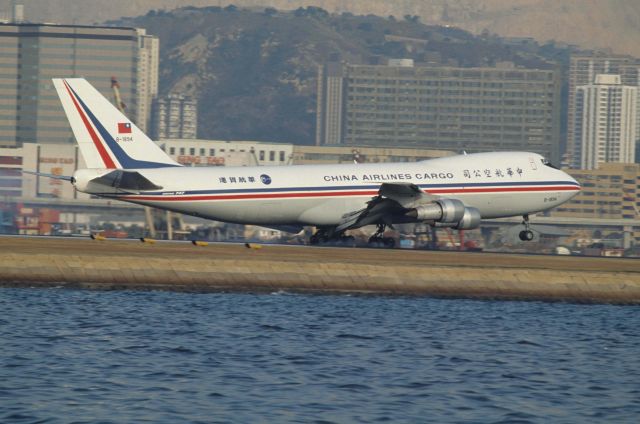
{"type": "Point", "coordinates": [254, 72]}
{"type": "Point", "coordinates": [586, 23]}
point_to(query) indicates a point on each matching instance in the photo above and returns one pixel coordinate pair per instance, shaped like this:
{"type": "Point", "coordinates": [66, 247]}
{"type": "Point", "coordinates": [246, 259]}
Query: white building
{"type": "Point", "coordinates": [227, 153]}
{"type": "Point", "coordinates": [48, 158]}
{"type": "Point", "coordinates": [606, 117]}
{"type": "Point", "coordinates": [175, 116]}
{"type": "Point", "coordinates": [148, 65]}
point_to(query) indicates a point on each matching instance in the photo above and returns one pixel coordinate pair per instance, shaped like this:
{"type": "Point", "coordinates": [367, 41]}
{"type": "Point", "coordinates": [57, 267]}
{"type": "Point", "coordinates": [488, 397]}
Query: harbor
{"type": "Point", "coordinates": [202, 267]}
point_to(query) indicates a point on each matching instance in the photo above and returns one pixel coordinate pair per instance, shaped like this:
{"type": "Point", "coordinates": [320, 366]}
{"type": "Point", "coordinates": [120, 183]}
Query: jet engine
{"type": "Point", "coordinates": [470, 220]}
{"type": "Point", "coordinates": [448, 213]}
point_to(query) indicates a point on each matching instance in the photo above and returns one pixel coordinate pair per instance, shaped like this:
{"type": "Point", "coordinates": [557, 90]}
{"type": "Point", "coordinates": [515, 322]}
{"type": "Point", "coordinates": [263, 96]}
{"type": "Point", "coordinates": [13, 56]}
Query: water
{"type": "Point", "coordinates": [87, 356]}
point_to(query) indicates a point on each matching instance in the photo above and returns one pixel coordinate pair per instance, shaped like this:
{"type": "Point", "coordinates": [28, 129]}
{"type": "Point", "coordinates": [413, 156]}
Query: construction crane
{"type": "Point", "coordinates": [148, 212]}
{"type": "Point", "coordinates": [117, 100]}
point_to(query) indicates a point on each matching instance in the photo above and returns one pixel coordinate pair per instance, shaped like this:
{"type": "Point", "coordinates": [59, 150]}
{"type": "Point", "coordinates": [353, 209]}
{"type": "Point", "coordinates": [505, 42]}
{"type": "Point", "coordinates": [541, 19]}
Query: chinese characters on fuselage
{"type": "Point", "coordinates": [492, 173]}
{"type": "Point", "coordinates": [232, 180]}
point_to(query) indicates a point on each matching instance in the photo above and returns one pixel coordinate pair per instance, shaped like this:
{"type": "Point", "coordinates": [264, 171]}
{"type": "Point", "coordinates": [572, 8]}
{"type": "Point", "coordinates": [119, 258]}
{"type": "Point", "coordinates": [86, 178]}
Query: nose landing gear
{"type": "Point", "coordinates": [526, 234]}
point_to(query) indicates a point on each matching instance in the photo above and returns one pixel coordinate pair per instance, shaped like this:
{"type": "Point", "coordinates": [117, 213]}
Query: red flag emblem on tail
{"type": "Point", "coordinates": [124, 128]}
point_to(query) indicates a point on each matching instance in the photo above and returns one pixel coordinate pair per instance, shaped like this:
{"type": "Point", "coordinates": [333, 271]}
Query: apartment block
{"type": "Point", "coordinates": [175, 117]}
{"type": "Point", "coordinates": [610, 192]}
{"type": "Point", "coordinates": [437, 107]}
{"type": "Point", "coordinates": [307, 155]}
{"type": "Point", "coordinates": [606, 114]}
{"type": "Point", "coordinates": [583, 69]}
{"type": "Point", "coordinates": [32, 54]}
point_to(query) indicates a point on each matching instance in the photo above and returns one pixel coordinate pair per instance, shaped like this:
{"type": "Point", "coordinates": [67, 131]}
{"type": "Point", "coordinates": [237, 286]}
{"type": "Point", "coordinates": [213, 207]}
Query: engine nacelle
{"type": "Point", "coordinates": [452, 210]}
{"type": "Point", "coordinates": [447, 211]}
{"type": "Point", "coordinates": [470, 220]}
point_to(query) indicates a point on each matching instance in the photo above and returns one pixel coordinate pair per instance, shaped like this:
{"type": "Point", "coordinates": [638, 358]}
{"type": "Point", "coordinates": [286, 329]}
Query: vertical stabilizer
{"type": "Point", "coordinates": [107, 138]}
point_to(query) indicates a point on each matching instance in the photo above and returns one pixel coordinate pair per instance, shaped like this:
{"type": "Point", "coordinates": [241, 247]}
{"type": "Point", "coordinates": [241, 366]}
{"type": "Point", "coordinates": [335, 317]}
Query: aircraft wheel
{"type": "Point", "coordinates": [526, 235]}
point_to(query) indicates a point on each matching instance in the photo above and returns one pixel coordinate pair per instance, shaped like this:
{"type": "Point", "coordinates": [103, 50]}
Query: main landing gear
{"type": "Point", "coordinates": [378, 239]}
{"type": "Point", "coordinates": [526, 234]}
{"type": "Point", "coordinates": [324, 237]}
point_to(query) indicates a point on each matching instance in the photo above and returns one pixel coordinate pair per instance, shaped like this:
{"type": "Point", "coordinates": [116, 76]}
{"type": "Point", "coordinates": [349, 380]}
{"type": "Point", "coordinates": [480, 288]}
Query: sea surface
{"type": "Point", "coordinates": [125, 356]}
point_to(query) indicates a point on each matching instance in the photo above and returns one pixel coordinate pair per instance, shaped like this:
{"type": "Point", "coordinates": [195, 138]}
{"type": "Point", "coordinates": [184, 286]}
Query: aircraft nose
{"type": "Point", "coordinates": [573, 182]}
{"type": "Point", "coordinates": [576, 182]}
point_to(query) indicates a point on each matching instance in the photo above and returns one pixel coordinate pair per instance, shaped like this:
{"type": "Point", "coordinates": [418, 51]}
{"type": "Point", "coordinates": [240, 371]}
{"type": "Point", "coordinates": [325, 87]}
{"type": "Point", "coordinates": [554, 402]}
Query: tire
{"type": "Point", "coordinates": [526, 235]}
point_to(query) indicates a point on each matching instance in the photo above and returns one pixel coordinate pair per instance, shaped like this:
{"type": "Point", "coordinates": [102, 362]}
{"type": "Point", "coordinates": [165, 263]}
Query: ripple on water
{"type": "Point", "coordinates": [178, 357]}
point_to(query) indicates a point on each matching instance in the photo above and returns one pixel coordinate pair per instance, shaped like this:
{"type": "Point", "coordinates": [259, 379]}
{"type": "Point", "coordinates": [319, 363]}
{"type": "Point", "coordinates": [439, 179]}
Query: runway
{"type": "Point", "coordinates": [116, 264]}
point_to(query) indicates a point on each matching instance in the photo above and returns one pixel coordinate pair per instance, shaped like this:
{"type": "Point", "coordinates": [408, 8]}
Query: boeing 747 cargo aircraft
{"type": "Point", "coordinates": [457, 192]}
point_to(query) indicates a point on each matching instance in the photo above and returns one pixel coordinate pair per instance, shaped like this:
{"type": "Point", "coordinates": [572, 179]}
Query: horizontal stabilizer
{"type": "Point", "coordinates": [126, 180]}
{"type": "Point", "coordinates": [54, 176]}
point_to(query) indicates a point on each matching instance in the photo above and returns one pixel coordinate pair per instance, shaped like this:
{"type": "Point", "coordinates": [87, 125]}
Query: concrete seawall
{"type": "Point", "coordinates": [113, 264]}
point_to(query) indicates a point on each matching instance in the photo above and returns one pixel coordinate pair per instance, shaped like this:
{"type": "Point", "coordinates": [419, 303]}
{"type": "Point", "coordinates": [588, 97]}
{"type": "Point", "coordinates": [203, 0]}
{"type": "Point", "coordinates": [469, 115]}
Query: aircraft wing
{"type": "Point", "coordinates": [392, 199]}
{"type": "Point", "coordinates": [404, 194]}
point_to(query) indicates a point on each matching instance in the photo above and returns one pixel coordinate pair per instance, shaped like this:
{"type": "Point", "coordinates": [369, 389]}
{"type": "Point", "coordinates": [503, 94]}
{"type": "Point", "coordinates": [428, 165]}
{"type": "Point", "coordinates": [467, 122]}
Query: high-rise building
{"type": "Point", "coordinates": [437, 107]}
{"type": "Point", "coordinates": [583, 69]}
{"type": "Point", "coordinates": [147, 82]}
{"type": "Point", "coordinates": [329, 104]}
{"type": "Point", "coordinates": [175, 116]}
{"type": "Point", "coordinates": [605, 119]}
{"type": "Point", "coordinates": [32, 54]}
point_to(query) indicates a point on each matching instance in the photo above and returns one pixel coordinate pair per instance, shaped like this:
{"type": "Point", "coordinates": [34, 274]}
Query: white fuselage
{"type": "Point", "coordinates": [497, 184]}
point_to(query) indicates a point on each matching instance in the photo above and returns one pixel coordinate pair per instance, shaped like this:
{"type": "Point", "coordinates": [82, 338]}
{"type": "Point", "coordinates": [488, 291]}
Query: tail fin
{"type": "Point", "coordinates": [107, 138]}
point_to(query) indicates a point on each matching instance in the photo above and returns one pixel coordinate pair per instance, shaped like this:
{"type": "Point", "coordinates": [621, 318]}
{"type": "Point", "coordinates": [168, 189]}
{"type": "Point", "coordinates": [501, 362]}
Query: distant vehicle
{"type": "Point", "coordinates": [456, 192]}
{"type": "Point", "coordinates": [562, 250]}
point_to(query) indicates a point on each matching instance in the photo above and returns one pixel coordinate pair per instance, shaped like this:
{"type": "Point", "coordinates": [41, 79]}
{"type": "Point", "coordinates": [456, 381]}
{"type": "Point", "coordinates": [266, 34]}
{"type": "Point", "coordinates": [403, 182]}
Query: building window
{"type": "Point", "coordinates": [202, 151]}
{"type": "Point", "coordinates": [212, 152]}
{"type": "Point", "coordinates": [281, 156]}
{"type": "Point", "coordinates": [182, 150]}
{"type": "Point", "coordinates": [192, 151]}
{"type": "Point", "coordinates": [272, 156]}
{"type": "Point", "coordinates": [261, 154]}
{"type": "Point", "coordinates": [172, 150]}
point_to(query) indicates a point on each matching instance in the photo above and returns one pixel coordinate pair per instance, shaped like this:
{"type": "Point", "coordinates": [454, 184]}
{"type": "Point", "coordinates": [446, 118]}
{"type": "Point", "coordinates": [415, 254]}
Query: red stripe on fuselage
{"type": "Point", "coordinates": [96, 141]}
{"type": "Point", "coordinates": [340, 194]}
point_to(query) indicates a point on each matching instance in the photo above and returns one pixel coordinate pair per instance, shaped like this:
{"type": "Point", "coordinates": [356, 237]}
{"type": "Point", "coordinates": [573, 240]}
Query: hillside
{"type": "Point", "coordinates": [587, 23]}
{"type": "Point", "coordinates": [254, 73]}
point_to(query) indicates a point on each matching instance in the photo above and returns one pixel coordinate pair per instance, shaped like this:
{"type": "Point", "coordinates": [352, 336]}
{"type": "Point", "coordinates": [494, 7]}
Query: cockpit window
{"type": "Point", "coordinates": [545, 162]}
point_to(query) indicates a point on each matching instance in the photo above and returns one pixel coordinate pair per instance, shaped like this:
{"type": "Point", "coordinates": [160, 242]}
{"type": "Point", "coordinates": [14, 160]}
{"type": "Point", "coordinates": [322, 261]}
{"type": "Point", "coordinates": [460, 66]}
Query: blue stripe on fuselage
{"type": "Point", "coordinates": [361, 187]}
